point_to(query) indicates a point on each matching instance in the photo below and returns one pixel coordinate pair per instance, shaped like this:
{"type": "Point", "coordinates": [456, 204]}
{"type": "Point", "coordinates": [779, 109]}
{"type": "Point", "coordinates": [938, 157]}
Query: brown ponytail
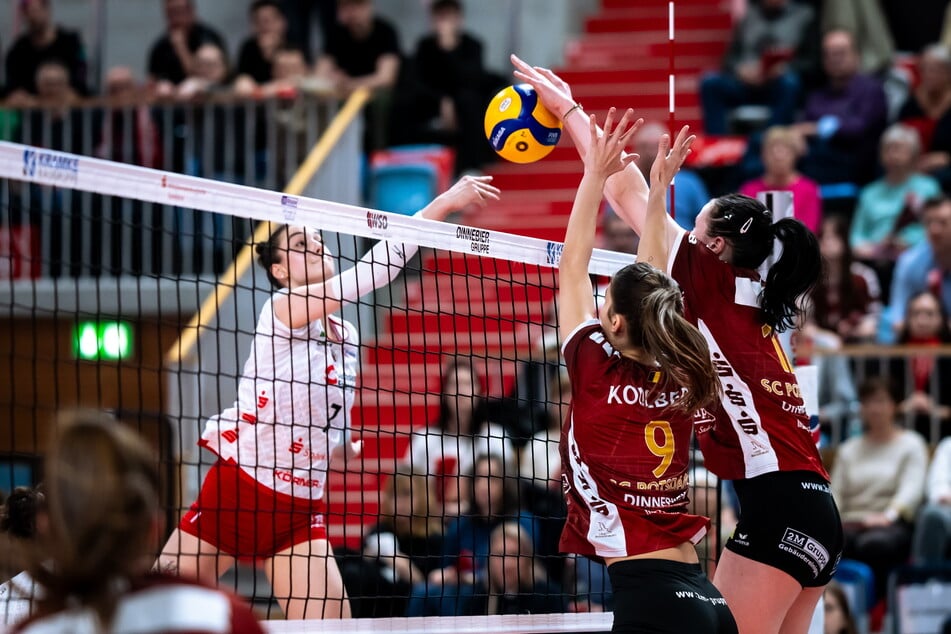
{"type": "Point", "coordinates": [102, 503]}
{"type": "Point", "coordinates": [652, 305]}
{"type": "Point", "coordinates": [678, 347]}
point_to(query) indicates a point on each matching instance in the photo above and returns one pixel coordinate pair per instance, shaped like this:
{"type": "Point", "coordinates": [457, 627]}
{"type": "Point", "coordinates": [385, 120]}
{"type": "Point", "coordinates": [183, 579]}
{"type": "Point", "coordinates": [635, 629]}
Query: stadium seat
{"type": "Point", "coordinates": [919, 598]}
{"type": "Point", "coordinates": [858, 582]}
{"type": "Point", "coordinates": [403, 189]}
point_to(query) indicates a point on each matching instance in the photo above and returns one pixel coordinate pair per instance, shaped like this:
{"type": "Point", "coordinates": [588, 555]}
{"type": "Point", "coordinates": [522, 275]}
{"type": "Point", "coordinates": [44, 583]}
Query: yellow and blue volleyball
{"type": "Point", "coordinates": [519, 128]}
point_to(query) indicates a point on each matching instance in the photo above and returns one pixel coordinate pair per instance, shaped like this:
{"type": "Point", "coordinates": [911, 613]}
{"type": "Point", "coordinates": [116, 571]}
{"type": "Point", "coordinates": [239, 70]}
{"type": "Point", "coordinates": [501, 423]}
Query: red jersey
{"type": "Point", "coordinates": [624, 454]}
{"type": "Point", "coordinates": [761, 425]}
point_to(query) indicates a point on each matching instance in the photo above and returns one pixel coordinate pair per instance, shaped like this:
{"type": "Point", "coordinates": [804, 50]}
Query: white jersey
{"type": "Point", "coordinates": [293, 407]}
{"type": "Point", "coordinates": [434, 452]}
{"type": "Point", "coordinates": [16, 598]}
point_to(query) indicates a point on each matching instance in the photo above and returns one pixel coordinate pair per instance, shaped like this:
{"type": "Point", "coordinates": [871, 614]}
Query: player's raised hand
{"type": "Point", "coordinates": [468, 190]}
{"type": "Point", "coordinates": [552, 90]}
{"type": "Point", "coordinates": [670, 158]}
{"type": "Point", "coordinates": [606, 154]}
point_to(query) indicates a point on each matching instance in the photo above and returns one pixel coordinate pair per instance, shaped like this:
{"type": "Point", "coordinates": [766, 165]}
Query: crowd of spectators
{"type": "Point", "coordinates": [437, 90]}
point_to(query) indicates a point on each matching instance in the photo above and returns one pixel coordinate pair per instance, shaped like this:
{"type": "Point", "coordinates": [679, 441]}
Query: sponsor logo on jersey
{"type": "Point", "coordinates": [806, 549]}
{"type": "Point", "coordinates": [332, 377]}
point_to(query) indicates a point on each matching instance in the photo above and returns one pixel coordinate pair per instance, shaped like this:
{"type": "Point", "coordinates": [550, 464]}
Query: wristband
{"type": "Point", "coordinates": [577, 106]}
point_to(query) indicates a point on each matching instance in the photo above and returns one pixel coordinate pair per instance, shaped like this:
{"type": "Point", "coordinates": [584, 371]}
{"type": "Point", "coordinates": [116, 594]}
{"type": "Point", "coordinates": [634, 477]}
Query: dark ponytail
{"type": "Point", "coordinates": [269, 253]}
{"type": "Point", "coordinates": [792, 276]}
{"type": "Point", "coordinates": [747, 225]}
{"type": "Point", "coordinates": [652, 305]}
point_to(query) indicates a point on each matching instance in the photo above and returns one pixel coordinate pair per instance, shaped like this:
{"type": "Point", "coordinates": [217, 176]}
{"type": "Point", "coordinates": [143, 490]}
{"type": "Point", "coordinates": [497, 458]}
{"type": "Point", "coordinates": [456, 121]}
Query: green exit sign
{"type": "Point", "coordinates": [102, 340]}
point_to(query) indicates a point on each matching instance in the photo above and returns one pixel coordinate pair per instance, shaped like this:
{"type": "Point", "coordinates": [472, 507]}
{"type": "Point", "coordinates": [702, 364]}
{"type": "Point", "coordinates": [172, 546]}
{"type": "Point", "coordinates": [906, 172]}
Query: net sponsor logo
{"type": "Point", "coordinates": [478, 239]}
{"type": "Point", "coordinates": [377, 220]}
{"type": "Point", "coordinates": [289, 207]}
{"type": "Point", "coordinates": [179, 192]}
{"type": "Point", "coordinates": [50, 166]}
{"type": "Point", "coordinates": [553, 252]}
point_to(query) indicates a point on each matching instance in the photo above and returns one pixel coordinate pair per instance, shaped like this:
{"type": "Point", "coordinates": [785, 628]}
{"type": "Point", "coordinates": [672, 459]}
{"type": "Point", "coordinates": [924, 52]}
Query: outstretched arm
{"type": "Point", "coordinates": [626, 190]}
{"type": "Point", "coordinates": [381, 264]}
{"type": "Point", "coordinates": [659, 236]}
{"type": "Point", "coordinates": [605, 157]}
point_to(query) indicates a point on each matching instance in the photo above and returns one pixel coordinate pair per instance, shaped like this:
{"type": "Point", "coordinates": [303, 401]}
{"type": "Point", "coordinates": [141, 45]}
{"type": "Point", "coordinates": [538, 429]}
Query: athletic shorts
{"type": "Point", "coordinates": [657, 595]}
{"type": "Point", "coordinates": [788, 520]}
{"type": "Point", "coordinates": [245, 519]}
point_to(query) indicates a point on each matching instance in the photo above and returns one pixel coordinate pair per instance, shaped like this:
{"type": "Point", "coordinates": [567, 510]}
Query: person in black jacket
{"type": "Point", "coordinates": [448, 89]}
{"type": "Point", "coordinates": [42, 42]}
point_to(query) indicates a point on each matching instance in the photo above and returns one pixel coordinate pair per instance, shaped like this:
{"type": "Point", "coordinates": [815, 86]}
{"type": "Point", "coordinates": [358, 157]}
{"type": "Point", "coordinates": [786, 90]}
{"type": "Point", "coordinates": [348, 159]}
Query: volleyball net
{"type": "Point", "coordinates": [105, 265]}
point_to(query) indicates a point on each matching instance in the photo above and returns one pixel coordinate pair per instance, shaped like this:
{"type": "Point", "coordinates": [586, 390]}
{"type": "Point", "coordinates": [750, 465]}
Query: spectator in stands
{"type": "Point", "coordinates": [928, 110]}
{"type": "Point", "coordinates": [19, 518]}
{"type": "Point", "coordinates": [847, 300]}
{"type": "Point", "coordinates": [363, 51]}
{"type": "Point", "coordinates": [782, 147]}
{"type": "Point", "coordinates": [402, 549]}
{"type": "Point", "coordinates": [446, 89]}
{"type": "Point", "coordinates": [129, 134]}
{"type": "Point", "coordinates": [448, 449]}
{"type": "Point", "coordinates": [615, 234]}
{"type": "Point", "coordinates": [845, 307]}
{"type": "Point", "coordinates": [865, 20]}
{"type": "Point", "coordinates": [540, 461]}
{"type": "Point", "coordinates": [209, 73]}
{"type": "Point", "coordinates": [516, 583]}
{"type": "Point", "coordinates": [172, 56]}
{"type": "Point", "coordinates": [928, 376]}
{"type": "Point", "coordinates": [54, 122]}
{"type": "Point", "coordinates": [43, 42]}
{"type": "Point", "coordinates": [256, 57]}
{"type": "Point", "coordinates": [933, 528]}
{"type": "Point", "coordinates": [690, 192]}
{"type": "Point", "coordinates": [878, 481]}
{"type": "Point", "coordinates": [844, 117]}
{"type": "Point", "coordinates": [913, 30]}
{"type": "Point", "coordinates": [926, 266]}
{"type": "Point", "coordinates": [771, 46]}
{"type": "Point", "coordinates": [464, 568]}
{"type": "Point", "coordinates": [886, 216]}
{"type": "Point", "coordinates": [105, 521]}
{"type": "Point", "coordinates": [838, 618]}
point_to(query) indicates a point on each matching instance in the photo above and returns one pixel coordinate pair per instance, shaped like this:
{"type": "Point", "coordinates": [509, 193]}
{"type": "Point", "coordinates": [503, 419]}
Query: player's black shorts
{"type": "Point", "coordinates": [659, 596]}
{"type": "Point", "coordinates": [788, 520]}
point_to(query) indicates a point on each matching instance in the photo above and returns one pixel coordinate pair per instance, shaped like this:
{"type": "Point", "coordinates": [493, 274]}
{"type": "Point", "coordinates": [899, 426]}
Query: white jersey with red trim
{"type": "Point", "coordinates": [157, 604]}
{"type": "Point", "coordinates": [293, 408]}
{"type": "Point", "coordinates": [624, 453]}
{"type": "Point", "coordinates": [761, 425]}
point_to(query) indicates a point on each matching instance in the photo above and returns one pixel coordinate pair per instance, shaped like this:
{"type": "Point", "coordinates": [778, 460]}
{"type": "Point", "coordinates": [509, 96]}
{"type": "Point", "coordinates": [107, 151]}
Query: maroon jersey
{"type": "Point", "coordinates": [761, 425]}
{"type": "Point", "coordinates": [624, 453]}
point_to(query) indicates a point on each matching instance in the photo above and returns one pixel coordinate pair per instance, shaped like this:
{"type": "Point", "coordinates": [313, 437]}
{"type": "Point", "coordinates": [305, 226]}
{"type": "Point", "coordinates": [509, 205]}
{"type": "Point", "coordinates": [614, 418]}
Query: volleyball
{"type": "Point", "coordinates": [519, 128]}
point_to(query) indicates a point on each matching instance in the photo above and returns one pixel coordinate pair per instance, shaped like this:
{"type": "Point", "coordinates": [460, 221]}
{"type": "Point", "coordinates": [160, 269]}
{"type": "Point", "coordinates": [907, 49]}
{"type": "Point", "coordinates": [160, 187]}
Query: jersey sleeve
{"type": "Point", "coordinates": [585, 349]}
{"type": "Point", "coordinates": [705, 280]}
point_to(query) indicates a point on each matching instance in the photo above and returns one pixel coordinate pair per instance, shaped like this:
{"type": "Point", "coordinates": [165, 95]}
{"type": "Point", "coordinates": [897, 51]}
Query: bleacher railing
{"type": "Point", "coordinates": [57, 233]}
{"type": "Point", "coordinates": [842, 371]}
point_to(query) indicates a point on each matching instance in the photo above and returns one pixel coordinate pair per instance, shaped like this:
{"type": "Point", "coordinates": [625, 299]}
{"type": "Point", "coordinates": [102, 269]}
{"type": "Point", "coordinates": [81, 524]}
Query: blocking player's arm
{"type": "Point", "coordinates": [575, 291]}
{"type": "Point", "coordinates": [627, 190]}
{"type": "Point", "coordinates": [660, 232]}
